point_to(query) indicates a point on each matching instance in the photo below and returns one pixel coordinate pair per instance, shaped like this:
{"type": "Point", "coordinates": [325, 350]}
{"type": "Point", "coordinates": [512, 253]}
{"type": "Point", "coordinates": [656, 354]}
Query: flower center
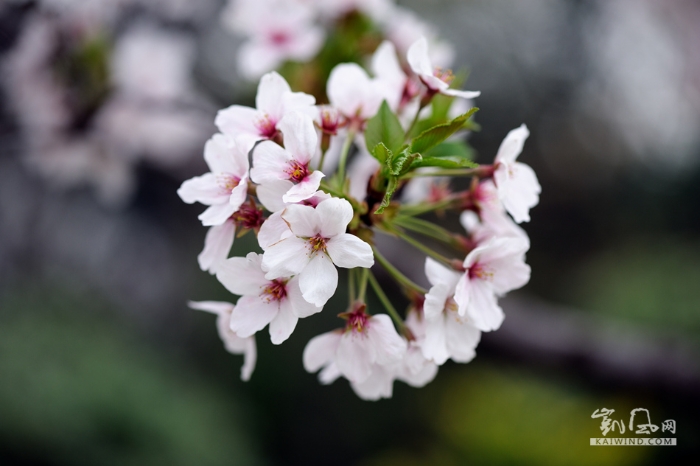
{"type": "Point", "coordinates": [357, 320]}
{"type": "Point", "coordinates": [297, 171]}
{"type": "Point", "coordinates": [248, 216]}
{"type": "Point", "coordinates": [275, 291]}
{"type": "Point", "coordinates": [445, 76]}
{"type": "Point", "coordinates": [318, 243]}
{"type": "Point", "coordinates": [228, 182]}
{"type": "Point", "coordinates": [480, 272]}
{"type": "Point", "coordinates": [279, 38]}
{"type": "Point", "coordinates": [266, 127]}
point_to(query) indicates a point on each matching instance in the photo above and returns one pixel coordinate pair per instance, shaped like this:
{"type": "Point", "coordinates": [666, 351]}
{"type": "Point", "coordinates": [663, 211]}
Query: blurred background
{"type": "Point", "coordinates": [101, 361]}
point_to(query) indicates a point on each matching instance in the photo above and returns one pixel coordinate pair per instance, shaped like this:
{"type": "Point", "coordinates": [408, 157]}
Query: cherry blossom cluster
{"type": "Point", "coordinates": [279, 31]}
{"type": "Point", "coordinates": [316, 184]}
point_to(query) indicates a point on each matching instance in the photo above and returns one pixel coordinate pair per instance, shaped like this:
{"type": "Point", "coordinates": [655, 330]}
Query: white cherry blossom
{"type": "Point", "coordinates": [366, 344]}
{"type": "Point", "coordinates": [436, 80]}
{"type": "Point", "coordinates": [491, 270]}
{"type": "Point", "coordinates": [277, 30]}
{"type": "Point", "coordinates": [276, 302]}
{"type": "Point", "coordinates": [274, 100]}
{"type": "Point", "coordinates": [317, 244]}
{"type": "Point", "coordinates": [517, 183]}
{"type": "Point", "coordinates": [447, 334]}
{"type": "Point", "coordinates": [232, 342]}
{"type": "Point", "coordinates": [225, 187]}
{"type": "Point", "coordinates": [272, 163]}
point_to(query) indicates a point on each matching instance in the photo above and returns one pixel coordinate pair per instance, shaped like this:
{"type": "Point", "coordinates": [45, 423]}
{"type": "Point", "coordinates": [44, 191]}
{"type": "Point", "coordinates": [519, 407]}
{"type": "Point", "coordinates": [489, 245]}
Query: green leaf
{"type": "Point", "coordinates": [384, 127]}
{"type": "Point", "coordinates": [457, 149]}
{"type": "Point", "coordinates": [390, 190]}
{"type": "Point", "coordinates": [437, 134]}
{"type": "Point", "coordinates": [444, 162]}
{"type": "Point", "coordinates": [382, 153]}
{"type": "Point", "coordinates": [401, 162]}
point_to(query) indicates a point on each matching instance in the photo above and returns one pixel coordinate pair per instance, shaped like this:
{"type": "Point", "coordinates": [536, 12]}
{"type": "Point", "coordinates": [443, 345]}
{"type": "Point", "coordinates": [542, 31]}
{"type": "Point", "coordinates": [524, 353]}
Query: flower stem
{"type": "Point", "coordinates": [418, 245]}
{"type": "Point", "coordinates": [344, 157]}
{"type": "Point", "coordinates": [423, 208]}
{"type": "Point", "coordinates": [351, 285]}
{"type": "Point", "coordinates": [395, 273]}
{"type": "Point", "coordinates": [363, 284]}
{"type": "Point", "coordinates": [478, 171]}
{"type": "Point", "coordinates": [414, 121]}
{"type": "Point", "coordinates": [385, 300]}
{"type": "Point", "coordinates": [426, 228]}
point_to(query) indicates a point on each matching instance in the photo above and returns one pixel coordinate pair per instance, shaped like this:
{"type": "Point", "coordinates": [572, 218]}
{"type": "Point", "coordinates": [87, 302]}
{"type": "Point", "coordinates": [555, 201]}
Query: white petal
{"type": "Point", "coordinates": [483, 309]}
{"type": "Point", "coordinates": [439, 274]}
{"type": "Point", "coordinates": [204, 189]}
{"type": "Point", "coordinates": [349, 251]}
{"type": "Point", "coordinates": [302, 219]}
{"type": "Point", "coordinates": [350, 90]}
{"type": "Point", "coordinates": [418, 58]}
{"type": "Point", "coordinates": [329, 374]}
{"type": "Point", "coordinates": [217, 214]}
{"type": "Point", "coordinates": [299, 102]}
{"type": "Point", "coordinates": [238, 195]}
{"type": "Point", "coordinates": [320, 350]}
{"type": "Point", "coordinates": [217, 245]}
{"type": "Point", "coordinates": [269, 163]}
{"type": "Point", "coordinates": [305, 189]}
{"type": "Point", "coordinates": [283, 324]}
{"type": "Point", "coordinates": [252, 314]}
{"type": "Point", "coordinates": [512, 145]}
{"type": "Point", "coordinates": [271, 91]}
{"type": "Point", "coordinates": [257, 57]}
{"type": "Point", "coordinates": [300, 307]}
{"type": "Point", "coordinates": [334, 216]}
{"type": "Point", "coordinates": [355, 356]}
{"type": "Point", "coordinates": [388, 345]}
{"type": "Point", "coordinates": [300, 137]}
{"type": "Point", "coordinates": [435, 299]}
{"type": "Point", "coordinates": [319, 280]}
{"type": "Point", "coordinates": [523, 192]}
{"type": "Point", "coordinates": [462, 339]}
{"type": "Point", "coordinates": [215, 307]}
{"type": "Point", "coordinates": [243, 275]}
{"type": "Point", "coordinates": [378, 385]}
{"type": "Point", "coordinates": [462, 94]}
{"type": "Point", "coordinates": [270, 194]}
{"type": "Point", "coordinates": [273, 229]}
{"type": "Point", "coordinates": [285, 258]}
{"type": "Point", "coordinates": [250, 356]}
{"type": "Point", "coordinates": [225, 155]}
{"type": "Point", "coordinates": [434, 346]}
{"type": "Point", "coordinates": [237, 120]}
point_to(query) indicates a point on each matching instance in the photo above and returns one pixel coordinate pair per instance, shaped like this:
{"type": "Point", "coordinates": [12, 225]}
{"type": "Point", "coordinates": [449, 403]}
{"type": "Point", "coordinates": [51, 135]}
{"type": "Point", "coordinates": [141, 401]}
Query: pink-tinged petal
{"type": "Point", "coordinates": [355, 357]}
{"type": "Point", "coordinates": [238, 195]}
{"type": "Point", "coordinates": [300, 137]}
{"type": "Point", "coordinates": [269, 163]}
{"type": "Point", "coordinates": [377, 386]}
{"type": "Point", "coordinates": [438, 274]}
{"type": "Point", "coordinates": [302, 219]}
{"type": "Point", "coordinates": [252, 314]}
{"type": "Point", "coordinates": [300, 307]}
{"type": "Point", "coordinates": [419, 59]}
{"type": "Point", "coordinates": [334, 216]}
{"type": "Point", "coordinates": [320, 350]}
{"type": "Point", "coordinates": [422, 377]}
{"type": "Point", "coordinates": [511, 276]}
{"type": "Point", "coordinates": [388, 346]}
{"type": "Point", "coordinates": [349, 251]}
{"type": "Point", "coordinates": [512, 145]}
{"type": "Point", "coordinates": [256, 58]}
{"type": "Point", "coordinates": [283, 324]}
{"type": "Point", "coordinates": [285, 258]}
{"type": "Point", "coordinates": [271, 91]}
{"type": "Point", "coordinates": [299, 102]}
{"type": "Point", "coordinates": [217, 214]}
{"type": "Point", "coordinates": [501, 252]}
{"type": "Point", "coordinates": [270, 194]}
{"type": "Point", "coordinates": [215, 307]}
{"type": "Point", "coordinates": [501, 178]}
{"type": "Point", "coordinates": [462, 339]}
{"type": "Point", "coordinates": [350, 90]}
{"type": "Point", "coordinates": [389, 74]}
{"type": "Point", "coordinates": [329, 374]}
{"type": "Point", "coordinates": [435, 300]}
{"type": "Point", "coordinates": [225, 155]}
{"type": "Point", "coordinates": [319, 280]}
{"type": "Point", "coordinates": [462, 94]}
{"type": "Point", "coordinates": [237, 120]}
{"type": "Point", "coordinates": [463, 294]}
{"type": "Point", "coordinates": [523, 192]}
{"type": "Point", "coordinates": [272, 230]}
{"type": "Point", "coordinates": [483, 309]}
{"type": "Point", "coordinates": [360, 171]}
{"type": "Point", "coordinates": [217, 245]}
{"type": "Point", "coordinates": [250, 357]}
{"type": "Point", "coordinates": [305, 189]}
{"type": "Point", "coordinates": [204, 189]}
{"type": "Point", "coordinates": [434, 83]}
{"type": "Point", "coordinates": [243, 275]}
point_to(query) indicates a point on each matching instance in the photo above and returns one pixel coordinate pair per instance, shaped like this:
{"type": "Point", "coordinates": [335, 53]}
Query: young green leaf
{"type": "Point", "coordinates": [382, 153]}
{"type": "Point", "coordinates": [437, 134]}
{"type": "Point", "coordinates": [443, 162]}
{"type": "Point", "coordinates": [390, 190]}
{"type": "Point", "coordinates": [401, 162]}
{"type": "Point", "coordinates": [457, 149]}
{"type": "Point", "coordinates": [384, 127]}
